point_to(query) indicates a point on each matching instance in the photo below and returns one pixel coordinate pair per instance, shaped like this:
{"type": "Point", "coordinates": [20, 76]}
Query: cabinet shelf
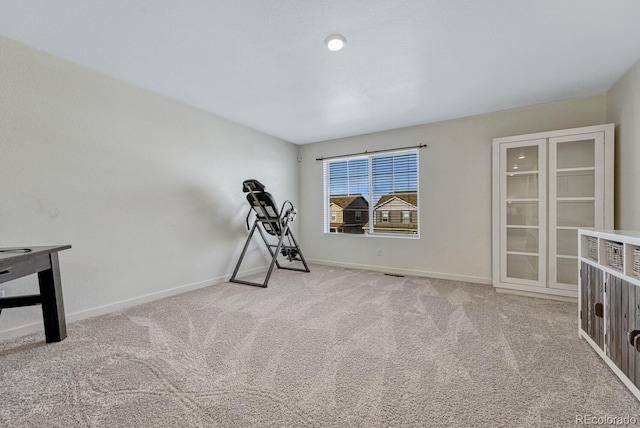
{"type": "Point", "coordinates": [547, 186]}
{"type": "Point", "coordinates": [521, 253]}
{"type": "Point", "coordinates": [515, 173]}
{"type": "Point", "coordinates": [586, 168]}
{"type": "Point", "coordinates": [576, 198]}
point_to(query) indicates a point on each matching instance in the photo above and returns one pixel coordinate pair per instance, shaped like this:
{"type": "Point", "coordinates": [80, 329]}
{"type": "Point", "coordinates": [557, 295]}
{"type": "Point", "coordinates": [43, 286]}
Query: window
{"type": "Point", "coordinates": [334, 217]}
{"type": "Point", "coordinates": [380, 187]}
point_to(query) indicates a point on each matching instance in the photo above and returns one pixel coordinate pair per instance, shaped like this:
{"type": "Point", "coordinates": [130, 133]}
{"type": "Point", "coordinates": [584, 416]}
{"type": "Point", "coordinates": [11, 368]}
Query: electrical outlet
{"type": "Point", "coordinates": [379, 251]}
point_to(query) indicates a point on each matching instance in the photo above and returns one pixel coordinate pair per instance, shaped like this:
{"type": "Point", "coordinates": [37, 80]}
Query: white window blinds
{"type": "Point", "coordinates": [381, 188]}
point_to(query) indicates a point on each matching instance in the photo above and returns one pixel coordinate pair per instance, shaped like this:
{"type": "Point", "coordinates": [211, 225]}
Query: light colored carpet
{"type": "Point", "coordinates": [331, 348]}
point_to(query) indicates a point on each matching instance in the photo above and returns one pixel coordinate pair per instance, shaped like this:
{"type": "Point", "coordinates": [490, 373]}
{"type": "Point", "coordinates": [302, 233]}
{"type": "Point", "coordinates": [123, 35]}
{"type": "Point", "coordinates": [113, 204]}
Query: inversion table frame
{"type": "Point", "coordinates": [270, 221]}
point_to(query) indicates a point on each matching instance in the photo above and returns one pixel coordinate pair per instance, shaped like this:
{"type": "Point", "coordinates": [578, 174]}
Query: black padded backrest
{"type": "Point", "coordinates": [252, 185]}
{"type": "Point", "coordinates": [266, 210]}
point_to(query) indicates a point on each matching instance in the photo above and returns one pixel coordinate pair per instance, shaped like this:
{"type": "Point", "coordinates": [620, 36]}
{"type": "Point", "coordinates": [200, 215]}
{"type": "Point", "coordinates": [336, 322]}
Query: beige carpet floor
{"type": "Point", "coordinates": [331, 348]}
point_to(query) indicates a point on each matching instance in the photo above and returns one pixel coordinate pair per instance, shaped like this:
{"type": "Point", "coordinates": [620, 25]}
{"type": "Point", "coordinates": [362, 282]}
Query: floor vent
{"type": "Point", "coordinates": [393, 274]}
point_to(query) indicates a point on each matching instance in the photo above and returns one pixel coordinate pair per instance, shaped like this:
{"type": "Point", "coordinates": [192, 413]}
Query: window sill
{"type": "Point", "coordinates": [376, 235]}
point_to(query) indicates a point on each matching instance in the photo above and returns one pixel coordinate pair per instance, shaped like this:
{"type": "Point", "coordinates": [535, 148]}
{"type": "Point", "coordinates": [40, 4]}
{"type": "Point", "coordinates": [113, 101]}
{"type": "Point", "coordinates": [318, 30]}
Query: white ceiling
{"type": "Point", "coordinates": [263, 63]}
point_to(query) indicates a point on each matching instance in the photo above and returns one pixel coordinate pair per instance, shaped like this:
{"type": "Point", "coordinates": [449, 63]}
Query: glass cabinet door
{"type": "Point", "coordinates": [523, 212]}
{"type": "Point", "coordinates": [575, 201]}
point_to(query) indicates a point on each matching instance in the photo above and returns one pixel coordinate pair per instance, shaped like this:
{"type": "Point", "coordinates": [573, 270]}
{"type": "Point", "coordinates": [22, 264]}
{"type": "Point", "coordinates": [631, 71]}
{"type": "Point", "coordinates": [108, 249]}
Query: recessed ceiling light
{"type": "Point", "coordinates": [335, 42]}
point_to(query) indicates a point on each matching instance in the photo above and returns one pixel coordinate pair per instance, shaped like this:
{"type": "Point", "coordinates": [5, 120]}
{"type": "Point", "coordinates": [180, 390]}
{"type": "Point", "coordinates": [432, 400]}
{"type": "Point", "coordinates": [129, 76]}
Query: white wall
{"type": "Point", "coordinates": [145, 189]}
{"type": "Point", "coordinates": [455, 191]}
{"type": "Point", "coordinates": [623, 108]}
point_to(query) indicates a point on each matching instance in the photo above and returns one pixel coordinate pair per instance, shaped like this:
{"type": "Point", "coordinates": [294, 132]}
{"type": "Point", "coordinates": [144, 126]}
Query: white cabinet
{"type": "Point", "coordinates": [609, 300]}
{"type": "Point", "coordinates": [545, 187]}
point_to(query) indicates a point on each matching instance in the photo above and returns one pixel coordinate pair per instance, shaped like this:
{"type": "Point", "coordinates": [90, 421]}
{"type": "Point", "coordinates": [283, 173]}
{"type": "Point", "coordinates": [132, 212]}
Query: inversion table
{"type": "Point", "coordinates": [276, 223]}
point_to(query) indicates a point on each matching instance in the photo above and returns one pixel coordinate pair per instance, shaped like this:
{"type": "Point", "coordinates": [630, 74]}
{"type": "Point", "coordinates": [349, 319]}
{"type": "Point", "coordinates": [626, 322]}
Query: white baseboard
{"type": "Point", "coordinates": [36, 327]}
{"type": "Point", "coordinates": [536, 295]}
{"type": "Point", "coordinates": [22, 330]}
{"type": "Point", "coordinates": [411, 272]}
{"type": "Point", "coordinates": [123, 304]}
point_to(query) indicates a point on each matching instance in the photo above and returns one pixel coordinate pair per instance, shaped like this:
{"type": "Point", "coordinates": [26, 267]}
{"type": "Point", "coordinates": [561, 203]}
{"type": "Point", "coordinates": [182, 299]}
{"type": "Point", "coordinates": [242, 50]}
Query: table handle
{"type": "Point", "coordinates": [5, 272]}
{"type": "Point", "coordinates": [634, 335]}
{"type": "Point", "coordinates": [599, 310]}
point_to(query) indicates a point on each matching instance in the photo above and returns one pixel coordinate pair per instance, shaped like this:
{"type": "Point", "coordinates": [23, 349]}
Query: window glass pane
{"type": "Point", "coordinates": [523, 240]}
{"type": "Point", "coordinates": [522, 267]}
{"type": "Point", "coordinates": [576, 154]}
{"type": "Point", "coordinates": [576, 184]}
{"type": "Point", "coordinates": [381, 187]}
{"type": "Point", "coordinates": [394, 187]}
{"type": "Point", "coordinates": [567, 271]}
{"type": "Point", "coordinates": [349, 177]}
{"type": "Point", "coordinates": [576, 213]}
{"type": "Point", "coordinates": [522, 213]}
{"type": "Point", "coordinates": [348, 182]}
{"type": "Point", "coordinates": [567, 242]}
{"type": "Point", "coordinates": [522, 186]}
{"type": "Point", "coordinates": [522, 159]}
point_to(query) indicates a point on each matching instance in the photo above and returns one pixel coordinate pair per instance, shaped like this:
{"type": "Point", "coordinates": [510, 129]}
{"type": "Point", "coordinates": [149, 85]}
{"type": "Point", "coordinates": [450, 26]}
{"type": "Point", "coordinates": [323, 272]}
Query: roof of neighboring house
{"type": "Point", "coordinates": [343, 201]}
{"type": "Point", "coordinates": [410, 197]}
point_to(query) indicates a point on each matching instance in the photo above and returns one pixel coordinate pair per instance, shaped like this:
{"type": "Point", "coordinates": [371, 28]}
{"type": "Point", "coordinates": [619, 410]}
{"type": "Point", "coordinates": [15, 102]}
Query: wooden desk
{"type": "Point", "coordinates": [18, 262]}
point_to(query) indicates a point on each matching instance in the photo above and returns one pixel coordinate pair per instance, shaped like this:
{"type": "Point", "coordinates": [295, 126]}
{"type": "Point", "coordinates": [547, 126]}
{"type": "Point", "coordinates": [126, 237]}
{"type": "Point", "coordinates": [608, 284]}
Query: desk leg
{"type": "Point", "coordinates": [55, 327]}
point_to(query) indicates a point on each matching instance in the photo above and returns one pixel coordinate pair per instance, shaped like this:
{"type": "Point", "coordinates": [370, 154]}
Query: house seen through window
{"type": "Point", "coordinates": [372, 194]}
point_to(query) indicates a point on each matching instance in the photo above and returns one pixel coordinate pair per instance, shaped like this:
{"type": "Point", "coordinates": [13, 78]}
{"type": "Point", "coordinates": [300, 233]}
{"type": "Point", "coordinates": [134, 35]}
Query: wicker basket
{"type": "Point", "coordinates": [614, 255]}
{"type": "Point", "coordinates": [593, 247]}
{"type": "Point", "coordinates": [636, 262]}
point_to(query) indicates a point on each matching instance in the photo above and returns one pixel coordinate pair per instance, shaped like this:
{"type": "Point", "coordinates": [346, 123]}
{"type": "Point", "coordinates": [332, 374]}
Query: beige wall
{"type": "Point", "coordinates": [147, 190]}
{"type": "Point", "coordinates": [455, 191]}
{"type": "Point", "coordinates": [623, 108]}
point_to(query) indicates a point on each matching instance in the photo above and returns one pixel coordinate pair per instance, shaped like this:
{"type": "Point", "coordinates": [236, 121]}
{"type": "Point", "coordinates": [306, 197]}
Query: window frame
{"type": "Point", "coordinates": [371, 214]}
